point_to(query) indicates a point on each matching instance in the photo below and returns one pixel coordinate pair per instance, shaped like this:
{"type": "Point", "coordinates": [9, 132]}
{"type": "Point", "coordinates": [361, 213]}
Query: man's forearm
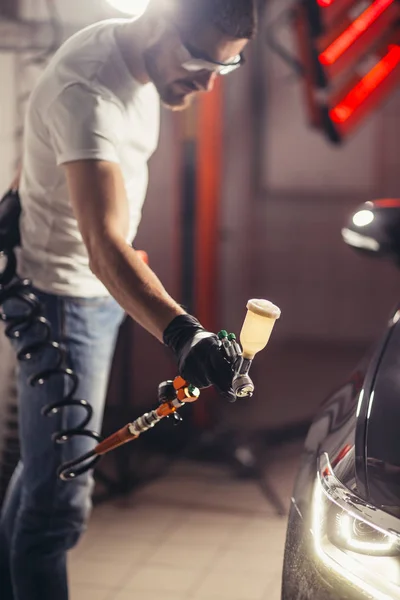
{"type": "Point", "coordinates": [134, 285]}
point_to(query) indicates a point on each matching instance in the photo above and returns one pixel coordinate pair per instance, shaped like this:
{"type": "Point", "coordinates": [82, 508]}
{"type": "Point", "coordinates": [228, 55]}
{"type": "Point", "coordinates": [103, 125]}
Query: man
{"type": "Point", "coordinates": [91, 127]}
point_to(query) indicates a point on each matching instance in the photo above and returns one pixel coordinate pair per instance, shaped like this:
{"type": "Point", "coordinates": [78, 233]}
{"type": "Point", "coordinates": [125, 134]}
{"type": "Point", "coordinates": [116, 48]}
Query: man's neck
{"type": "Point", "coordinates": [130, 39]}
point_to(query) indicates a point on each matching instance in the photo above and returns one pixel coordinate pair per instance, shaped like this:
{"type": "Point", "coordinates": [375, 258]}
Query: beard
{"type": "Point", "coordinates": [176, 95]}
{"type": "Point", "coordinates": [173, 99]}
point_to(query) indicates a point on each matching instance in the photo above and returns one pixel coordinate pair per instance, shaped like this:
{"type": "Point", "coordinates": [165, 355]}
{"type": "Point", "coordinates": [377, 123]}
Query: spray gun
{"type": "Point", "coordinates": [173, 394]}
{"type": "Point", "coordinates": [254, 336]}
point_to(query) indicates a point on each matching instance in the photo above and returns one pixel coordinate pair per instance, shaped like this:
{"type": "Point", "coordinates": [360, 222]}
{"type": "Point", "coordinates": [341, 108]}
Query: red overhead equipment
{"type": "Point", "coordinates": [367, 92]}
{"type": "Point", "coordinates": [351, 59]}
{"type": "Point", "coordinates": [341, 48]}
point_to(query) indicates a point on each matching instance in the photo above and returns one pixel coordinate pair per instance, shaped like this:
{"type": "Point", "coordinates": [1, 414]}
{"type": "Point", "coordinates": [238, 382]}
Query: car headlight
{"type": "Point", "coordinates": [350, 533]}
{"type": "Point", "coordinates": [354, 539]}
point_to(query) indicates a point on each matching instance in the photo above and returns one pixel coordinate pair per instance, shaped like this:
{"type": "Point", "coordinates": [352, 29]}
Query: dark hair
{"type": "Point", "coordinates": [235, 18]}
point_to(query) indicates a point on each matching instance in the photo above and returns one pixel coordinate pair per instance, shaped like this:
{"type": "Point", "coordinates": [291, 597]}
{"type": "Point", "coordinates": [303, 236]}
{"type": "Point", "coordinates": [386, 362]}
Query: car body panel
{"type": "Point", "coordinates": [383, 428]}
{"type": "Point", "coordinates": [352, 428]}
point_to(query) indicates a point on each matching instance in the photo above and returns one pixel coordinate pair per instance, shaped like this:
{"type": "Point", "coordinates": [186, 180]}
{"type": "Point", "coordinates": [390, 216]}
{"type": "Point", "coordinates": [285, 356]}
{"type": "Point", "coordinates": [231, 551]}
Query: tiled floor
{"type": "Point", "coordinates": [195, 534]}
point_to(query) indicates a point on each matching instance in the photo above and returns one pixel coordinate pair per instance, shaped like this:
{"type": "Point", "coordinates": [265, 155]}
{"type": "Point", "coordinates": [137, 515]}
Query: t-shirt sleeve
{"type": "Point", "coordinates": [84, 125]}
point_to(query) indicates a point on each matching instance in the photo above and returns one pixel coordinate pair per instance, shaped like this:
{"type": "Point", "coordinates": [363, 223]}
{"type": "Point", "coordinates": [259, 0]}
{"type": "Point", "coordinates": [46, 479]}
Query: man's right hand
{"type": "Point", "coordinates": [197, 351]}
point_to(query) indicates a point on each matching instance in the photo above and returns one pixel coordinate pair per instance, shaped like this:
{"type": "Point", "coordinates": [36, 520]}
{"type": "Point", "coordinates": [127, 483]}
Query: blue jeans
{"type": "Point", "coordinates": [43, 517]}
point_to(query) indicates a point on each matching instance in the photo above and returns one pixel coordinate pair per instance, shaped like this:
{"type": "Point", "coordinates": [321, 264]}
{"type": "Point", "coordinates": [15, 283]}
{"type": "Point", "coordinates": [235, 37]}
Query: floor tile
{"type": "Point", "coordinates": [115, 549]}
{"type": "Point", "coordinates": [195, 534]}
{"type": "Point", "coordinates": [259, 536]}
{"type": "Point", "coordinates": [256, 563]}
{"type": "Point", "coordinates": [231, 585]}
{"type": "Point", "coordinates": [273, 591]}
{"type": "Point", "coordinates": [98, 573]}
{"type": "Point", "coordinates": [195, 557]}
{"type": "Point", "coordinates": [156, 595]}
{"type": "Point", "coordinates": [80, 592]}
{"type": "Point", "coordinates": [163, 579]}
{"type": "Point", "coordinates": [84, 544]}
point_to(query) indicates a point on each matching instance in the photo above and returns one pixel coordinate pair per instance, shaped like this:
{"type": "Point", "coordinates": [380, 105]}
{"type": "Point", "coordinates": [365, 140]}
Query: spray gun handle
{"type": "Point", "coordinates": [242, 385]}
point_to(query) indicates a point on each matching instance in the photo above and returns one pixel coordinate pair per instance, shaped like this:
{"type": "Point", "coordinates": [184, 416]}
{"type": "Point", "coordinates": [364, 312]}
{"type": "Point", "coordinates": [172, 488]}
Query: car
{"type": "Point", "coordinates": [343, 532]}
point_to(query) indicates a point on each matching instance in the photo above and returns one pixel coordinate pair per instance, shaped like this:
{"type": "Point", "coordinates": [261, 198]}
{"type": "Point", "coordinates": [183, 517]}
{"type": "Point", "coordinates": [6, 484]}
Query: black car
{"type": "Point", "coordinates": [343, 536]}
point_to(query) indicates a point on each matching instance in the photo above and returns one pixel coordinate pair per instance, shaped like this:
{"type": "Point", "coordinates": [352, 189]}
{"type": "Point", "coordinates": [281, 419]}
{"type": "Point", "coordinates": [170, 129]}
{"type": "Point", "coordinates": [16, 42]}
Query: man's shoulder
{"type": "Point", "coordinates": [77, 67]}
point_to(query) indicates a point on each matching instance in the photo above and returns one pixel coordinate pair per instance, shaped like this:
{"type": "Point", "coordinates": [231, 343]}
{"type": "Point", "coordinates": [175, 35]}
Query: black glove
{"type": "Point", "coordinates": [197, 351]}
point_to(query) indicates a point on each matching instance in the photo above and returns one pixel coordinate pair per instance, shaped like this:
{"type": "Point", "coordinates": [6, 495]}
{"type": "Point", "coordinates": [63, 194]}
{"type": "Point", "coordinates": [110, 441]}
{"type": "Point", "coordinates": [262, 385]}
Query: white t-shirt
{"type": "Point", "coordinates": [86, 105]}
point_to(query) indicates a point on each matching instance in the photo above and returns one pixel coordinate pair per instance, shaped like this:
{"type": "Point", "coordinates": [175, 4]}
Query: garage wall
{"type": "Point", "coordinates": [287, 194]}
{"type": "Point", "coordinates": [308, 189]}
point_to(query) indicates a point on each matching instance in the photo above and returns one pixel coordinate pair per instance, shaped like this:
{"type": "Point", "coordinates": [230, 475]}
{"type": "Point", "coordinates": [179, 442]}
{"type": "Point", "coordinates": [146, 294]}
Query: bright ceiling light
{"type": "Point", "coordinates": [130, 7]}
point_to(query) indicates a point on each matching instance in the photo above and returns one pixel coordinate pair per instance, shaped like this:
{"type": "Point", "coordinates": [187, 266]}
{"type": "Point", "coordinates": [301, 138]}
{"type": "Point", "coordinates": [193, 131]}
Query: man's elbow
{"type": "Point", "coordinates": [94, 266]}
{"type": "Point", "coordinates": [95, 263]}
{"type": "Point", "coordinates": [101, 252]}
{"type": "Point", "coordinates": [94, 251]}
{"type": "Point", "coordinates": [97, 256]}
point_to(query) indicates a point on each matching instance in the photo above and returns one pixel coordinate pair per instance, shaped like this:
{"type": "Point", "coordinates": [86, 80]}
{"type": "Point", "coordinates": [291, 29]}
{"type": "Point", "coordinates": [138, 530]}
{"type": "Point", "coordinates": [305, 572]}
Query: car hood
{"type": "Point", "coordinates": [382, 431]}
{"type": "Point", "coordinates": [358, 426]}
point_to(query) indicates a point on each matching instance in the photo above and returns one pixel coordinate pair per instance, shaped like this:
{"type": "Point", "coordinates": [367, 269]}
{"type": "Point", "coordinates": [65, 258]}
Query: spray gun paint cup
{"type": "Point", "coordinates": [255, 334]}
{"type": "Point", "coordinates": [257, 327]}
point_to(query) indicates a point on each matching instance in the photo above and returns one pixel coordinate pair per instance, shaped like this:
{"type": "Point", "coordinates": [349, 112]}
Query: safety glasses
{"type": "Point", "coordinates": [192, 61]}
